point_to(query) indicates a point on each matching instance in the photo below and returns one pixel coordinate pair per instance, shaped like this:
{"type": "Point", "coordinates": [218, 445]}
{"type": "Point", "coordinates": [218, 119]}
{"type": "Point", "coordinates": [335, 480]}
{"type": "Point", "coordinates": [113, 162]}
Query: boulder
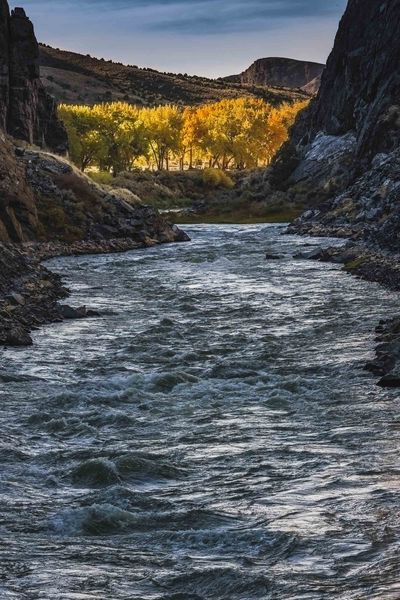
{"type": "Point", "coordinates": [18, 336]}
{"type": "Point", "coordinates": [69, 313]}
{"type": "Point", "coordinates": [391, 380]}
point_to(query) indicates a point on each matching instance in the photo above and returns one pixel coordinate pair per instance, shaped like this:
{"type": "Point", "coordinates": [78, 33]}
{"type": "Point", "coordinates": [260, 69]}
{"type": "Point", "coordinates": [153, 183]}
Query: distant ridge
{"type": "Point", "coordinates": [281, 72]}
{"type": "Point", "coordinates": [75, 78]}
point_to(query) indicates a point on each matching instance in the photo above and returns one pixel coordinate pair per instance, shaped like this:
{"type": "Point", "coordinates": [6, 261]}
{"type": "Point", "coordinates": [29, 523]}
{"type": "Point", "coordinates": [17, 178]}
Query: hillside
{"type": "Point", "coordinates": [74, 78]}
{"type": "Point", "coordinates": [286, 72]}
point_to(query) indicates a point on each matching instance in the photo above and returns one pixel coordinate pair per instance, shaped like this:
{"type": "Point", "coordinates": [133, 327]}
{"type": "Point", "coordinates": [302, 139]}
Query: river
{"type": "Point", "coordinates": [211, 436]}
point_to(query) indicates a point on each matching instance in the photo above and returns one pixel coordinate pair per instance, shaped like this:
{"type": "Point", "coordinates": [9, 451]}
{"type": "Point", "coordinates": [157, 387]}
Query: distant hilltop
{"type": "Point", "coordinates": [282, 72]}
{"type": "Point", "coordinates": [75, 78]}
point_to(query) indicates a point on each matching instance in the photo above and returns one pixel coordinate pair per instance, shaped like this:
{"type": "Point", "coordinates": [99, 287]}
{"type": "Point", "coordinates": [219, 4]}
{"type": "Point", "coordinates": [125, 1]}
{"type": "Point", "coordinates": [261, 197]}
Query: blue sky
{"type": "Point", "coordinates": [205, 37]}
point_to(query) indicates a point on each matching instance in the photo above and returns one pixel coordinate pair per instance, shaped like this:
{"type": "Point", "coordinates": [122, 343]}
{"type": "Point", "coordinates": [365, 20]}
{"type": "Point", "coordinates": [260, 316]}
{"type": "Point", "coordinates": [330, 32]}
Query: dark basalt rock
{"type": "Point", "coordinates": [342, 159]}
{"type": "Point", "coordinates": [28, 296]}
{"type": "Point", "coordinates": [18, 336]}
{"type": "Point", "coordinates": [27, 112]}
{"type": "Point", "coordinates": [360, 86]}
{"type": "Point", "coordinates": [82, 312]}
{"type": "Point", "coordinates": [392, 380]}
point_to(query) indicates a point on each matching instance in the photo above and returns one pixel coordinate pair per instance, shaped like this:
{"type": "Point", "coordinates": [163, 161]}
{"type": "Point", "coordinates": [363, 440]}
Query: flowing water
{"type": "Point", "coordinates": [212, 436]}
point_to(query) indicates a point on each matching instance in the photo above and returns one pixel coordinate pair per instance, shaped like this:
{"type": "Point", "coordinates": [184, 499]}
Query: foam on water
{"type": "Point", "coordinates": [212, 436]}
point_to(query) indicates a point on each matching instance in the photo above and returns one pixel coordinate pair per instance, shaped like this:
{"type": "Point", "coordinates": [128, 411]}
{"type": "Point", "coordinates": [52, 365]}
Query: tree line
{"type": "Point", "coordinates": [241, 133]}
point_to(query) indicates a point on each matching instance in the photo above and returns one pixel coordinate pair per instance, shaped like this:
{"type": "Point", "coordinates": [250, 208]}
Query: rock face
{"type": "Point", "coordinates": [282, 72]}
{"type": "Point", "coordinates": [27, 112]}
{"type": "Point", "coordinates": [361, 84]}
{"type": "Point", "coordinates": [342, 158]}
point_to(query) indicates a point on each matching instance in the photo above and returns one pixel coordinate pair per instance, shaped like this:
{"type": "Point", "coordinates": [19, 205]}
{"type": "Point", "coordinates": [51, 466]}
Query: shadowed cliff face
{"type": "Point", "coordinates": [342, 155]}
{"type": "Point", "coordinates": [360, 87]}
{"type": "Point", "coordinates": [26, 111]}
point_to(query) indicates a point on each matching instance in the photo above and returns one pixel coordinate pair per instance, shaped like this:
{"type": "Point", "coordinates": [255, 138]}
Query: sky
{"type": "Point", "coordinates": [203, 37]}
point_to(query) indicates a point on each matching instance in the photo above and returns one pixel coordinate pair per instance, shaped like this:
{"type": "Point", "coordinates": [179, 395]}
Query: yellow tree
{"type": "Point", "coordinates": [280, 120]}
{"type": "Point", "coordinates": [85, 141]}
{"type": "Point", "coordinates": [124, 135]}
{"type": "Point", "coordinates": [164, 130]}
{"type": "Point", "coordinates": [233, 133]}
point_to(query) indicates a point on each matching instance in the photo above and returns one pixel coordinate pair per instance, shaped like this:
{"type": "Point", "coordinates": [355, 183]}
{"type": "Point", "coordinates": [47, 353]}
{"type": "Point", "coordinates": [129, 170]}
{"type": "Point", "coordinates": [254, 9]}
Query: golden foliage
{"type": "Point", "coordinates": [241, 133]}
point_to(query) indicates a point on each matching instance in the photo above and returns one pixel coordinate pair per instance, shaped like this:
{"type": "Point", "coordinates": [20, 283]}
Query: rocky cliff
{"type": "Point", "coordinates": [285, 72]}
{"type": "Point", "coordinates": [27, 112]}
{"type": "Point", "coordinates": [342, 156]}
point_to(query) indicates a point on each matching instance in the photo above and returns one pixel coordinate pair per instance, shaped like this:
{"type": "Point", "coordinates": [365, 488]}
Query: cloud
{"type": "Point", "coordinates": [203, 37]}
{"type": "Point", "coordinates": [196, 17]}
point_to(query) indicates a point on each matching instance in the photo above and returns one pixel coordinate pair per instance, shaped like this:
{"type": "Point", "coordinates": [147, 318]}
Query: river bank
{"type": "Point", "coordinates": [372, 264]}
{"type": "Point", "coordinates": [30, 293]}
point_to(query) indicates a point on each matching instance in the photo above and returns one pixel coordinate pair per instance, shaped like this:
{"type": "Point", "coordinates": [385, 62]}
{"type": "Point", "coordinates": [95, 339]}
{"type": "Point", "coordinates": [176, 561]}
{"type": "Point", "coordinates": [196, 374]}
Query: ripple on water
{"type": "Point", "coordinates": [212, 436]}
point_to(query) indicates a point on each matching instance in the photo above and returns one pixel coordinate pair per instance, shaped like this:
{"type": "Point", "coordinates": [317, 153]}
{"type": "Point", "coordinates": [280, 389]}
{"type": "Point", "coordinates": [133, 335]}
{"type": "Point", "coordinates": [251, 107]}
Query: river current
{"type": "Point", "coordinates": [211, 436]}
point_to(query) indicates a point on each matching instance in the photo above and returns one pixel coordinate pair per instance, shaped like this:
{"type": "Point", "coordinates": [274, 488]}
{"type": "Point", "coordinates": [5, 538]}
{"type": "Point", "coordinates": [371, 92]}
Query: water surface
{"type": "Point", "coordinates": [212, 436]}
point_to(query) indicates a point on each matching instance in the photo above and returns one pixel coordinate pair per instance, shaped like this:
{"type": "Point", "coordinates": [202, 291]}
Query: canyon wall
{"type": "Point", "coordinates": [342, 158]}
{"type": "Point", "coordinates": [27, 112]}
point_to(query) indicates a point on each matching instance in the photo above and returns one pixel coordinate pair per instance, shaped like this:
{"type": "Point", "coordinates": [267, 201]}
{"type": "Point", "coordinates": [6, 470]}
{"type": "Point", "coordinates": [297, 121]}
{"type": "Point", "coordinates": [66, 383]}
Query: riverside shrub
{"type": "Point", "coordinates": [215, 178]}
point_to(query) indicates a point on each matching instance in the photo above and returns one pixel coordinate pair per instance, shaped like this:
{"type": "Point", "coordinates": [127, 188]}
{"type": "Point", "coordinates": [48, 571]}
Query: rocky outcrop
{"type": "Point", "coordinates": [28, 296]}
{"type": "Point", "coordinates": [43, 197]}
{"type": "Point", "coordinates": [282, 72]}
{"type": "Point", "coordinates": [72, 208]}
{"type": "Point", "coordinates": [27, 112]}
{"type": "Point", "coordinates": [313, 86]}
